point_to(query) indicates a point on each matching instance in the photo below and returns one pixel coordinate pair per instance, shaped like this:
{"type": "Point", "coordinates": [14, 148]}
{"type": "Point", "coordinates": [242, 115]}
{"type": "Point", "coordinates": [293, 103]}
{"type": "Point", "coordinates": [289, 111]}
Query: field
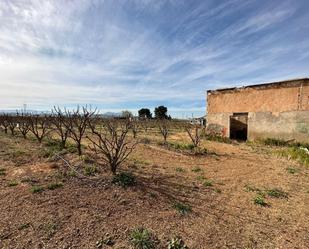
{"type": "Point", "coordinates": [237, 195]}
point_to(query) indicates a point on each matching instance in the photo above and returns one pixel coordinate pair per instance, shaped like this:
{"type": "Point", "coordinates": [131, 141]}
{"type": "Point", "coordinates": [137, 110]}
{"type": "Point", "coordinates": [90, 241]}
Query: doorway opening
{"type": "Point", "coordinates": [239, 126]}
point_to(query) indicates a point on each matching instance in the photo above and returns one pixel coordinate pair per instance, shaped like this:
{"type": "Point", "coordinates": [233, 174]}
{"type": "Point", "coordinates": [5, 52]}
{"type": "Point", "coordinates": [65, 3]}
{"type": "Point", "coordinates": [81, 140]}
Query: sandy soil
{"type": "Point", "coordinates": [85, 210]}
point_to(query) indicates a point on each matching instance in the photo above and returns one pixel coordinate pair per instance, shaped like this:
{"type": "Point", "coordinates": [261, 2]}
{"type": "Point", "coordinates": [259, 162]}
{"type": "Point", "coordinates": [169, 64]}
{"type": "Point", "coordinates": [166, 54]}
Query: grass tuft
{"type": "Point", "coordinates": [37, 189]}
{"type": "Point", "coordinates": [124, 179]}
{"type": "Point", "coordinates": [12, 183]}
{"type": "Point", "coordinates": [182, 208]}
{"type": "Point", "coordinates": [141, 238]}
{"type": "Point", "coordinates": [276, 193]}
{"type": "Point", "coordinates": [53, 186]}
{"type": "Point", "coordinates": [259, 200]}
{"type": "Point", "coordinates": [176, 243]}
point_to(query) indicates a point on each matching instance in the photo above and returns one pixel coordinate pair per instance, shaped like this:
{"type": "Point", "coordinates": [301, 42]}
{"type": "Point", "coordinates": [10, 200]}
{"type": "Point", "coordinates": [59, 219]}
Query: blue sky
{"type": "Point", "coordinates": [118, 54]}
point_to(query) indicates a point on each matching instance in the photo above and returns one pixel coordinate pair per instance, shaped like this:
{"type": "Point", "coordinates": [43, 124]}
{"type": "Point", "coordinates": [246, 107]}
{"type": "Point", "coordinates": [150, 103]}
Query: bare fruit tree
{"type": "Point", "coordinates": [12, 124]}
{"type": "Point", "coordinates": [164, 126]}
{"type": "Point", "coordinates": [134, 126]}
{"type": "Point", "coordinates": [23, 123]}
{"type": "Point", "coordinates": [194, 134]}
{"type": "Point", "coordinates": [76, 121]}
{"type": "Point", "coordinates": [39, 126]}
{"type": "Point", "coordinates": [4, 122]}
{"type": "Point", "coordinates": [109, 139]}
{"type": "Point", "coordinates": [58, 119]}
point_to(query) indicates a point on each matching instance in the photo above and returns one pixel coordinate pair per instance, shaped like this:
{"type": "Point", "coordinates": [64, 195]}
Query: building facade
{"type": "Point", "coordinates": [271, 110]}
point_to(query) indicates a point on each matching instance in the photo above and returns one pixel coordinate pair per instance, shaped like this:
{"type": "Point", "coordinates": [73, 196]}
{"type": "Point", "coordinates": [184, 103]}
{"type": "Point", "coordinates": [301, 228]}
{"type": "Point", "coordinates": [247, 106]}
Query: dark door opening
{"type": "Point", "coordinates": [239, 126]}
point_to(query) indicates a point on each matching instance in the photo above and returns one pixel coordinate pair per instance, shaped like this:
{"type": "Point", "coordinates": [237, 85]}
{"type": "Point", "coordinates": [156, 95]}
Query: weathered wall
{"type": "Point", "coordinates": [285, 125]}
{"type": "Point", "coordinates": [272, 98]}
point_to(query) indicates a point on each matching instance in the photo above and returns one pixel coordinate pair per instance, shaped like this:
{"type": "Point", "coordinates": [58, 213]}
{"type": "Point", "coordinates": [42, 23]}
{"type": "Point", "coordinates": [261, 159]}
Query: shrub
{"type": "Point", "coordinates": [124, 179]}
{"type": "Point", "coordinates": [259, 200]}
{"type": "Point", "coordinates": [142, 239]}
{"type": "Point", "coordinates": [53, 186]}
{"type": "Point", "coordinates": [182, 208]}
{"type": "Point", "coordinates": [37, 189]}
{"type": "Point", "coordinates": [176, 243]}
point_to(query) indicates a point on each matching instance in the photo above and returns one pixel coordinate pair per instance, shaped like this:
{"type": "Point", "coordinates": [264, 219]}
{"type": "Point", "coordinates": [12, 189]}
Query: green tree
{"type": "Point", "coordinates": [145, 113]}
{"type": "Point", "coordinates": [161, 112]}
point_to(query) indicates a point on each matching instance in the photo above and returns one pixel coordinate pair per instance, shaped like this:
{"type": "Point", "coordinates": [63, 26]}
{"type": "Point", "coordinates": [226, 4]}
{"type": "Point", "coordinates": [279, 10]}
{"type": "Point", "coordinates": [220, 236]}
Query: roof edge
{"type": "Point", "coordinates": [258, 85]}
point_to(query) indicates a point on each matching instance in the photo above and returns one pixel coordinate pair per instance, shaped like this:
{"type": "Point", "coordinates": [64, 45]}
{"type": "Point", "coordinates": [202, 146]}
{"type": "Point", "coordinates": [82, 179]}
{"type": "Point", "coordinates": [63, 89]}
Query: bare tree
{"type": "Point", "coordinates": [23, 123]}
{"type": "Point", "coordinates": [110, 141]}
{"type": "Point", "coordinates": [134, 127]}
{"type": "Point", "coordinates": [39, 126]}
{"type": "Point", "coordinates": [12, 124]}
{"type": "Point", "coordinates": [194, 134]}
{"type": "Point", "coordinates": [58, 119]}
{"type": "Point", "coordinates": [163, 126]}
{"type": "Point", "coordinates": [76, 122]}
{"type": "Point", "coordinates": [4, 122]}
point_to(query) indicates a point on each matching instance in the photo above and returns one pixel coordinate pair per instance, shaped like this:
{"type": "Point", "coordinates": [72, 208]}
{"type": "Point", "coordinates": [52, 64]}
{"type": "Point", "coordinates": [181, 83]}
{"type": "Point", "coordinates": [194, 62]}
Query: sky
{"type": "Point", "coordinates": [132, 54]}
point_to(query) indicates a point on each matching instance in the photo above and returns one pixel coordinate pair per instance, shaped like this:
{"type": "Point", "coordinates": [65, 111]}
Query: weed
{"type": "Point", "coordinates": [200, 178]}
{"type": "Point", "coordinates": [299, 154]}
{"type": "Point", "coordinates": [107, 240]}
{"type": "Point", "coordinates": [259, 200]}
{"type": "Point", "coordinates": [196, 169]}
{"type": "Point", "coordinates": [292, 170]}
{"type": "Point", "coordinates": [49, 228]}
{"type": "Point", "coordinates": [276, 193]}
{"type": "Point", "coordinates": [145, 140]}
{"type": "Point", "coordinates": [2, 172]}
{"type": "Point", "coordinates": [218, 138]}
{"type": "Point", "coordinates": [72, 173]}
{"type": "Point", "coordinates": [182, 208]}
{"type": "Point", "coordinates": [176, 243]}
{"type": "Point", "coordinates": [249, 188]}
{"type": "Point", "coordinates": [180, 170]}
{"type": "Point", "coordinates": [37, 189]}
{"type": "Point", "coordinates": [181, 146]}
{"type": "Point", "coordinates": [207, 183]}
{"type": "Point", "coordinates": [12, 183]}
{"type": "Point", "coordinates": [142, 239]}
{"type": "Point", "coordinates": [124, 179]}
{"type": "Point", "coordinates": [275, 142]}
{"type": "Point", "coordinates": [56, 185]}
{"type": "Point", "coordinates": [24, 226]}
{"type": "Point", "coordinates": [90, 170]}
{"type": "Point", "coordinates": [218, 190]}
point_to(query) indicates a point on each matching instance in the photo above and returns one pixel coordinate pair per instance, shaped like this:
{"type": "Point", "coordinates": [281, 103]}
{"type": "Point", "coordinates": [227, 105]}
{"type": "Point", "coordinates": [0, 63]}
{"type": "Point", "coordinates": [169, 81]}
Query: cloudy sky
{"type": "Point", "coordinates": [129, 54]}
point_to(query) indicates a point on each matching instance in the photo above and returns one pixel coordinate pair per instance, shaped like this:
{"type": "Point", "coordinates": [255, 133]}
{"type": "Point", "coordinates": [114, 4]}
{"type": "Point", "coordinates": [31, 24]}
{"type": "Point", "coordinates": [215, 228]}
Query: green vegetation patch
{"type": "Point", "coordinates": [12, 183]}
{"type": "Point", "coordinates": [182, 208]}
{"type": "Point", "coordinates": [300, 154]}
{"type": "Point", "coordinates": [124, 179]}
{"type": "Point", "coordinates": [141, 238]}
{"type": "Point", "coordinates": [53, 186]}
{"type": "Point", "coordinates": [37, 189]}
{"type": "Point", "coordinates": [176, 243]}
{"type": "Point", "coordinates": [276, 193]}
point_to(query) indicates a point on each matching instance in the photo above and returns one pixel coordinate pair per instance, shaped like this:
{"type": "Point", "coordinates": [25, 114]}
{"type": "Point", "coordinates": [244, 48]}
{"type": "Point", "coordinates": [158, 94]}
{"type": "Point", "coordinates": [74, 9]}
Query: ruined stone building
{"type": "Point", "coordinates": [271, 110]}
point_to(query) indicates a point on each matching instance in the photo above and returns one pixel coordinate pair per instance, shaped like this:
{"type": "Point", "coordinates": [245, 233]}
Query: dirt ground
{"type": "Point", "coordinates": [87, 209]}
